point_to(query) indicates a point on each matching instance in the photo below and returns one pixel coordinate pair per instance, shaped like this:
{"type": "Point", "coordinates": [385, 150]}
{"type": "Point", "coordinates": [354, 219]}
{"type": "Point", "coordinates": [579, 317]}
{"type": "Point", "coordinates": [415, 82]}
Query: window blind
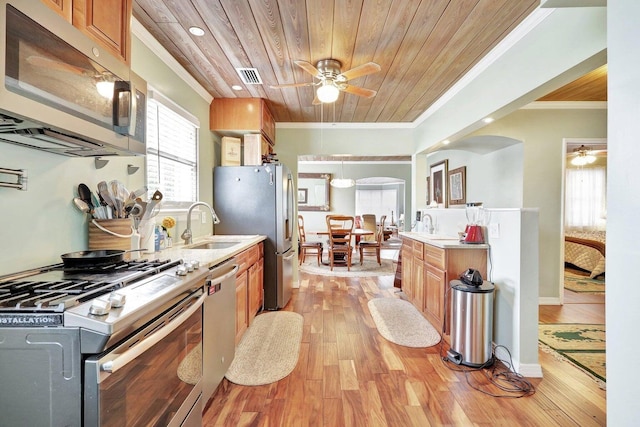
{"type": "Point", "coordinates": [172, 152]}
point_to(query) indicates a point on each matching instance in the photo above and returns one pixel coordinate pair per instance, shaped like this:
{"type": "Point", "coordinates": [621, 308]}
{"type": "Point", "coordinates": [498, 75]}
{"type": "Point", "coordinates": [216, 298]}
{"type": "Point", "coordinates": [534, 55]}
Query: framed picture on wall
{"type": "Point", "coordinates": [302, 195]}
{"type": "Point", "coordinates": [457, 186]}
{"type": "Point", "coordinates": [438, 178]}
{"type": "Point", "coordinates": [428, 199]}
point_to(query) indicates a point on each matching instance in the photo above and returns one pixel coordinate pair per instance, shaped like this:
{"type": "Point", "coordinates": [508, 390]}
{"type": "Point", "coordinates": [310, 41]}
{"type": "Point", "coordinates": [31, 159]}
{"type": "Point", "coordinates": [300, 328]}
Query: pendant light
{"type": "Point", "coordinates": [342, 182]}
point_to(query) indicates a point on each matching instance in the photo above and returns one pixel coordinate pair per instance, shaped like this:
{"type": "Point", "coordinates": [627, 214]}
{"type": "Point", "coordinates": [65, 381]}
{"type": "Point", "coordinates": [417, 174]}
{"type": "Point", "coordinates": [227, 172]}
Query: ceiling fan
{"type": "Point", "coordinates": [584, 155]}
{"type": "Point", "coordinates": [332, 81]}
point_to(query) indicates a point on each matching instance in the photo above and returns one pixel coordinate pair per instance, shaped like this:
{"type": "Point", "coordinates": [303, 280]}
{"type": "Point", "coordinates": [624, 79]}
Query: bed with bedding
{"type": "Point", "coordinates": [586, 250]}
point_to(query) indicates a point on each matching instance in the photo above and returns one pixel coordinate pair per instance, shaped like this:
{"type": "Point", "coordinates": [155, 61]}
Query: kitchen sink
{"type": "Point", "coordinates": [214, 245]}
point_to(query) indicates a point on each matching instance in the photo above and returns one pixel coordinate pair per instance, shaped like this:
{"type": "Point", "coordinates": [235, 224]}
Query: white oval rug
{"type": "Point", "coordinates": [401, 323]}
{"type": "Point", "coordinates": [268, 350]}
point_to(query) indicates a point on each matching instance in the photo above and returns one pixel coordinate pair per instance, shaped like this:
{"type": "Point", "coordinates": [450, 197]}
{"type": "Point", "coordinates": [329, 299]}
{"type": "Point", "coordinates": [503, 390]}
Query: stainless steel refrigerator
{"type": "Point", "coordinates": [259, 200]}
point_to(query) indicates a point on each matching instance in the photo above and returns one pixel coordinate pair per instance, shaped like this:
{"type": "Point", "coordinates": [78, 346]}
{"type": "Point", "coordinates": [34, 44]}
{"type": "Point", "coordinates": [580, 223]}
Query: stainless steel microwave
{"type": "Point", "coordinates": [61, 92]}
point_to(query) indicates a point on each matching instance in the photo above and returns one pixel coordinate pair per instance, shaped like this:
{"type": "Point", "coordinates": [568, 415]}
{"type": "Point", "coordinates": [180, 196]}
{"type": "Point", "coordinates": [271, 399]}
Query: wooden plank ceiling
{"type": "Point", "coordinates": [590, 87]}
{"type": "Point", "coordinates": [422, 46]}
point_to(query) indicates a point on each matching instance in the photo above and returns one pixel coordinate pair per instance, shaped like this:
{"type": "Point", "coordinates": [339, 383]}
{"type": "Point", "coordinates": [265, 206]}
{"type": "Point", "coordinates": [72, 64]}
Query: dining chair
{"type": "Point", "coordinates": [307, 248]}
{"type": "Point", "coordinates": [369, 224]}
{"type": "Point", "coordinates": [340, 228]}
{"type": "Point", "coordinates": [374, 247]}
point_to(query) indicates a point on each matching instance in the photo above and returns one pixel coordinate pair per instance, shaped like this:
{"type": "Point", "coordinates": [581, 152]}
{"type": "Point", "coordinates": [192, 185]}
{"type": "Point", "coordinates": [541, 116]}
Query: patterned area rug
{"type": "Point", "coordinates": [369, 267]}
{"type": "Point", "coordinates": [401, 323]}
{"type": "Point", "coordinates": [268, 350]}
{"type": "Point", "coordinates": [582, 344]}
{"type": "Point", "coordinates": [581, 283]}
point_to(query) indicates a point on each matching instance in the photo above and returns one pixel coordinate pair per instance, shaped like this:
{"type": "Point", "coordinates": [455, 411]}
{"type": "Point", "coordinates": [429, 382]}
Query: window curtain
{"type": "Point", "coordinates": [377, 202]}
{"type": "Point", "coordinates": [586, 199]}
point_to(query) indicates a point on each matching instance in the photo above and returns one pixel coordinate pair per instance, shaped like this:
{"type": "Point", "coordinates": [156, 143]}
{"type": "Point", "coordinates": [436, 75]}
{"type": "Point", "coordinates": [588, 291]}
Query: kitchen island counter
{"type": "Point", "coordinates": [441, 241]}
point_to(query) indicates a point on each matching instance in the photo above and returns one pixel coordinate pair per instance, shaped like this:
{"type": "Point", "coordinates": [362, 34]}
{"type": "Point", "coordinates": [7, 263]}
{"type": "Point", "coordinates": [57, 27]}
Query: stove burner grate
{"type": "Point", "coordinates": [56, 288]}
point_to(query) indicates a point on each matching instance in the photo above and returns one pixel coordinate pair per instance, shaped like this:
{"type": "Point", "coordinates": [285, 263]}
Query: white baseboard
{"type": "Point", "coordinates": [532, 370]}
{"type": "Point", "coordinates": [549, 301]}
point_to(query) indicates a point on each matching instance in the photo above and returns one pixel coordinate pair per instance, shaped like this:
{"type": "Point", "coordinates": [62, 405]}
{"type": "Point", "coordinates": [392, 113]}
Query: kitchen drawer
{"type": "Point", "coordinates": [253, 254]}
{"type": "Point", "coordinates": [242, 260]}
{"type": "Point", "coordinates": [418, 250]}
{"type": "Point", "coordinates": [435, 256]}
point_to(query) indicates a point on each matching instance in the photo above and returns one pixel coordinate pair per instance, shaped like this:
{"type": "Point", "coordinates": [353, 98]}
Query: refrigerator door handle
{"type": "Point", "coordinates": [289, 256]}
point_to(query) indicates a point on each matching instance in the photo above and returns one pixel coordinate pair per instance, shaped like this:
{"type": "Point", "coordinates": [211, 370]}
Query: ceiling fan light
{"type": "Point", "coordinates": [342, 182]}
{"type": "Point", "coordinates": [579, 161]}
{"type": "Point", "coordinates": [328, 93]}
{"type": "Point", "coordinates": [589, 158]}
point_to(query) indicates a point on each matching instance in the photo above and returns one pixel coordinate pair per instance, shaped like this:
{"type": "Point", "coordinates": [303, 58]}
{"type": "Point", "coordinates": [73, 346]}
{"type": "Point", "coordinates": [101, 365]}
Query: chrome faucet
{"type": "Point", "coordinates": [431, 228]}
{"type": "Point", "coordinates": [187, 236]}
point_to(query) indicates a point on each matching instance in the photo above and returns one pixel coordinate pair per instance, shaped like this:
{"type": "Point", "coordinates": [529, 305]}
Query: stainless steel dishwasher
{"type": "Point", "coordinates": [219, 326]}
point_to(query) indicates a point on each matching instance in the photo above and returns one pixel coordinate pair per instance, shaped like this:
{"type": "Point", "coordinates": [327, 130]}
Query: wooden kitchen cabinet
{"type": "Point", "coordinates": [412, 272]}
{"type": "Point", "coordinates": [434, 290]}
{"type": "Point", "coordinates": [108, 22]}
{"type": "Point", "coordinates": [240, 116]}
{"type": "Point", "coordinates": [256, 280]}
{"type": "Point", "coordinates": [407, 268]}
{"type": "Point", "coordinates": [249, 287]}
{"type": "Point", "coordinates": [431, 268]}
{"type": "Point", "coordinates": [242, 320]}
{"type": "Point", "coordinates": [64, 8]}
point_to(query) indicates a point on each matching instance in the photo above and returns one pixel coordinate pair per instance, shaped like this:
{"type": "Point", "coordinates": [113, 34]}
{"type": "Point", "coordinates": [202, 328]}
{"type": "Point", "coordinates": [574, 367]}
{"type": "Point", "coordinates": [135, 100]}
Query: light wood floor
{"type": "Point", "coordinates": [348, 375]}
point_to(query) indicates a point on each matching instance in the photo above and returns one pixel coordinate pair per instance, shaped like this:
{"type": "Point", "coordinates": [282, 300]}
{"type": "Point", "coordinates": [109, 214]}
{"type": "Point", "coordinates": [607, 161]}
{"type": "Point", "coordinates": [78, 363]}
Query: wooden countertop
{"type": "Point", "coordinates": [441, 241]}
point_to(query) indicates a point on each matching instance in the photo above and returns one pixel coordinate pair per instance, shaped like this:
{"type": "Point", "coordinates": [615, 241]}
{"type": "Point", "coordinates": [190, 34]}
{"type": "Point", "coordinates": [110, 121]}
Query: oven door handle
{"type": "Point", "coordinates": [129, 355]}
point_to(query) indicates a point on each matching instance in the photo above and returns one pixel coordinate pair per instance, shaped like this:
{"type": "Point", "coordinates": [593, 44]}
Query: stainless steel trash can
{"type": "Point", "coordinates": [471, 323]}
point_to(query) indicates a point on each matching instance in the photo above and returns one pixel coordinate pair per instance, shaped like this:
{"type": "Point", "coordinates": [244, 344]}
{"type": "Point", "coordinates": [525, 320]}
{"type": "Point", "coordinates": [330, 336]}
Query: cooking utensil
{"type": "Point", "coordinates": [94, 258]}
{"type": "Point", "coordinates": [151, 209]}
{"type": "Point", "coordinates": [103, 191]}
{"type": "Point", "coordinates": [85, 194]}
{"type": "Point", "coordinates": [81, 205]}
{"type": "Point", "coordinates": [157, 195]}
{"type": "Point", "coordinates": [138, 193]}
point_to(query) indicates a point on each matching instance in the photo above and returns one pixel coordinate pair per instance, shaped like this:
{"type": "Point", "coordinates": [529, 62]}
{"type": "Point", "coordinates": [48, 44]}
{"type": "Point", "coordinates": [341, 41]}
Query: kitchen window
{"type": "Point", "coordinates": [172, 150]}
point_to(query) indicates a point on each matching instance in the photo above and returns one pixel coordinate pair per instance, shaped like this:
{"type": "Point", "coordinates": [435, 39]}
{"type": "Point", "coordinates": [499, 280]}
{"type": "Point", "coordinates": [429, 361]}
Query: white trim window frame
{"type": "Point", "coordinates": [172, 152]}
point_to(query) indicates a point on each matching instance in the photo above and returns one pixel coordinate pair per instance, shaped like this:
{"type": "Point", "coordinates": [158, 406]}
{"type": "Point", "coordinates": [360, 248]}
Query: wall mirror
{"type": "Point", "coordinates": [313, 191]}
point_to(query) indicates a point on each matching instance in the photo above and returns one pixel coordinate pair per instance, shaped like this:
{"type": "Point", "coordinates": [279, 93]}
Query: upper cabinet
{"type": "Point", "coordinates": [108, 22]}
{"type": "Point", "coordinates": [237, 116]}
{"type": "Point", "coordinates": [63, 7]}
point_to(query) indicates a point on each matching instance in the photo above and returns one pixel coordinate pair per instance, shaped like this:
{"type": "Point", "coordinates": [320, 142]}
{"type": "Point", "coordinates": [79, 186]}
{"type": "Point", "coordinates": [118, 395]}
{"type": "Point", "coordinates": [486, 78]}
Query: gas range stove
{"type": "Point", "coordinates": [108, 300]}
{"type": "Point", "coordinates": [74, 343]}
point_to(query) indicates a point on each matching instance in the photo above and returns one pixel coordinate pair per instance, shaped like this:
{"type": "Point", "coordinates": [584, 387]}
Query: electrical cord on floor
{"type": "Point", "coordinates": [498, 372]}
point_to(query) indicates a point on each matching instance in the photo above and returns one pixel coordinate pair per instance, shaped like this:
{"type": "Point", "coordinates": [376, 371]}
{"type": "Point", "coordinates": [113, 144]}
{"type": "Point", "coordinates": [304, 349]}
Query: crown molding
{"type": "Point", "coordinates": [566, 105]}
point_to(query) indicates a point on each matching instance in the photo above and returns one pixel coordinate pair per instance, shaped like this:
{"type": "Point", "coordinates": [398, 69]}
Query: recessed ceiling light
{"type": "Point", "coordinates": [446, 142]}
{"type": "Point", "coordinates": [236, 87]}
{"type": "Point", "coordinates": [487, 120]}
{"type": "Point", "coordinates": [196, 31]}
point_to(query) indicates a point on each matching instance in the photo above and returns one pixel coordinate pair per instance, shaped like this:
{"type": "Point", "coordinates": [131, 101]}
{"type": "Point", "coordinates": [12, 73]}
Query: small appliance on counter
{"type": "Point", "coordinates": [476, 218]}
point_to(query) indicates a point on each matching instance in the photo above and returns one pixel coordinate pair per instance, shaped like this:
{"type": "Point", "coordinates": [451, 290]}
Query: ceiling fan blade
{"type": "Point", "coordinates": [291, 85]}
{"type": "Point", "coordinates": [360, 70]}
{"type": "Point", "coordinates": [308, 68]}
{"type": "Point", "coordinates": [360, 91]}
